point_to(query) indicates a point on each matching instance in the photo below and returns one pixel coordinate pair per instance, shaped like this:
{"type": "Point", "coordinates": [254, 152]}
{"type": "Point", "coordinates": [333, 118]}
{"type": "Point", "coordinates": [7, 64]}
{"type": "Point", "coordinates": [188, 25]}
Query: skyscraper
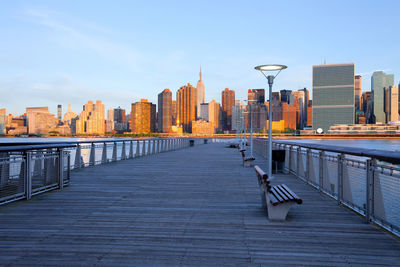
{"type": "Point", "coordinates": [40, 120]}
{"type": "Point", "coordinates": [174, 112]}
{"type": "Point", "coordinates": [110, 120]}
{"type": "Point", "coordinates": [59, 112]}
{"type": "Point", "coordinates": [333, 95]}
{"type": "Point", "coordinates": [120, 123]}
{"type": "Point", "coordinates": [214, 114]}
{"type": "Point", "coordinates": [2, 120]}
{"type": "Point", "coordinates": [259, 95]}
{"type": "Point", "coordinates": [204, 111]}
{"type": "Point", "coordinates": [143, 117]}
{"type": "Point", "coordinates": [379, 81]}
{"type": "Point", "coordinates": [165, 111]}
{"type": "Point", "coordinates": [357, 92]}
{"type": "Point", "coordinates": [91, 119]}
{"type": "Point", "coordinates": [367, 108]}
{"type": "Point", "coordinates": [238, 114]}
{"type": "Point", "coordinates": [286, 96]}
{"type": "Point", "coordinates": [70, 119]}
{"type": "Point", "coordinates": [200, 94]}
{"type": "Point", "coordinates": [228, 101]}
{"type": "Point", "coordinates": [391, 103]}
{"type": "Point", "coordinates": [186, 100]}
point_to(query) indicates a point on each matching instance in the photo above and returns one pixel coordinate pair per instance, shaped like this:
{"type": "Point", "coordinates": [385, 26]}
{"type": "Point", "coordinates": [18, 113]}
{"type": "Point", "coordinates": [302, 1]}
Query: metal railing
{"type": "Point", "coordinates": [366, 181]}
{"type": "Point", "coordinates": [28, 170]}
{"type": "Point", "coordinates": [91, 153]}
{"type": "Point", "coordinates": [33, 168]}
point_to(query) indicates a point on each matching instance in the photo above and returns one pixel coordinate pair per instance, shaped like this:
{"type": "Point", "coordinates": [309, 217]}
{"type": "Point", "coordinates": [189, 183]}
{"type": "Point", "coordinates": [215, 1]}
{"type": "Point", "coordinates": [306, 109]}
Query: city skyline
{"type": "Point", "coordinates": [53, 53]}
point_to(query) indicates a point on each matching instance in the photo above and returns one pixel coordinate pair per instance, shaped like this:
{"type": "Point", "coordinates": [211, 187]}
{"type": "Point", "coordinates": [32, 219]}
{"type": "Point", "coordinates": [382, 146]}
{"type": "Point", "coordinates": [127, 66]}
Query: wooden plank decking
{"type": "Point", "coordinates": [196, 206]}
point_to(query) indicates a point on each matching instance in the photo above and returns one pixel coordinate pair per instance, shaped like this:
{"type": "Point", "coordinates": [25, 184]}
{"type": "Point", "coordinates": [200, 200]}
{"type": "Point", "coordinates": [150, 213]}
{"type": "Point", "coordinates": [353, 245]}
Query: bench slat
{"type": "Point", "coordinates": [281, 194]}
{"type": "Point", "coordinates": [277, 196]}
{"type": "Point", "coordinates": [274, 201]}
{"type": "Point", "coordinates": [298, 200]}
{"type": "Point", "coordinates": [284, 192]}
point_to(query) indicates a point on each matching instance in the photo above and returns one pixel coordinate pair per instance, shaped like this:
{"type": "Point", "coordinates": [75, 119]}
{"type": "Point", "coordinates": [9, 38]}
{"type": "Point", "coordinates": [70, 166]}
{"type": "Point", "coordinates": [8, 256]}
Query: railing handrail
{"type": "Point", "coordinates": [384, 155]}
{"type": "Point", "coordinates": [110, 140]}
{"type": "Point", "coordinates": [34, 147]}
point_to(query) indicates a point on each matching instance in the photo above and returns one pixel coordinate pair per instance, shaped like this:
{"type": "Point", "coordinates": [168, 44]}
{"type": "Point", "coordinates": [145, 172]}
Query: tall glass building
{"type": "Point", "coordinates": [380, 81]}
{"type": "Point", "coordinates": [333, 95]}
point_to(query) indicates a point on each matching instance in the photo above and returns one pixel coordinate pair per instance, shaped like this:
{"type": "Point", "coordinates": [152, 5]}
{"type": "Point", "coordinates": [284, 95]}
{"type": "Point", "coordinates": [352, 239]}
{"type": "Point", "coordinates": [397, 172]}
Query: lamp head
{"type": "Point", "coordinates": [270, 67]}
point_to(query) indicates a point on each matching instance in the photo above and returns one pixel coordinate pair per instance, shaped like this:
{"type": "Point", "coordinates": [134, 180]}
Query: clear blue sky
{"type": "Point", "coordinates": [55, 52]}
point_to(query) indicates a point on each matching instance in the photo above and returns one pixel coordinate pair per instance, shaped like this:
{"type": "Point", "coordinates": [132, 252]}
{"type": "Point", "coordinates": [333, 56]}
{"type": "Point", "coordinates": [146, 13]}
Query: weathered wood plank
{"type": "Point", "coordinates": [196, 206]}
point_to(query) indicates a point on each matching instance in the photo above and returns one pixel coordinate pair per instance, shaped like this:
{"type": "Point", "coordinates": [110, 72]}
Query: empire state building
{"type": "Point", "coordinates": [200, 94]}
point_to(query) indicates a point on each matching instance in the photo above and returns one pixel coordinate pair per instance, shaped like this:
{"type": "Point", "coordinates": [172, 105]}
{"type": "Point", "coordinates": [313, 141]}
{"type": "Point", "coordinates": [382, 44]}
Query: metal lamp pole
{"type": "Point", "coordinates": [270, 78]}
{"type": "Point", "coordinates": [251, 132]}
{"type": "Point", "coordinates": [270, 82]}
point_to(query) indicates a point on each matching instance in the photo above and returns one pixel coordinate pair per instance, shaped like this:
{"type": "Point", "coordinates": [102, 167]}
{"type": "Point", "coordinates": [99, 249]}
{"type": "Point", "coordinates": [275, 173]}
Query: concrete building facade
{"type": "Point", "coordinates": [333, 95]}
{"type": "Point", "coordinates": [143, 117]}
{"type": "Point", "coordinates": [214, 114]}
{"type": "Point", "coordinates": [379, 81]}
{"type": "Point", "coordinates": [186, 100]}
{"type": "Point", "coordinates": [228, 101]}
{"type": "Point", "coordinates": [391, 104]}
{"type": "Point", "coordinates": [165, 111]}
{"type": "Point", "coordinates": [238, 115]}
{"type": "Point", "coordinates": [2, 121]}
{"type": "Point", "coordinates": [40, 120]}
{"type": "Point", "coordinates": [92, 119]}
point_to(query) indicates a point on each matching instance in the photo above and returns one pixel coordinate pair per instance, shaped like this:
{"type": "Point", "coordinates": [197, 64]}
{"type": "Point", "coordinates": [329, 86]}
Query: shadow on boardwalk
{"type": "Point", "coordinates": [196, 206]}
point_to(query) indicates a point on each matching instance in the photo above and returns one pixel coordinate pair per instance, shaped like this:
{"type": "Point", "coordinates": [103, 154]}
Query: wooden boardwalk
{"type": "Point", "coordinates": [195, 206]}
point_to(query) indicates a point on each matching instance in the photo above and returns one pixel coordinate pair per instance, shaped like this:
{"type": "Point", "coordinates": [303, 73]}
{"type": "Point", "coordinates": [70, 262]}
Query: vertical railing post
{"type": "Point", "coordinates": [144, 148]}
{"type": "Point", "coordinates": [123, 152]}
{"type": "Point", "coordinates": [104, 153]}
{"type": "Point", "coordinates": [308, 164]}
{"type": "Point", "coordinates": [78, 160]}
{"type": "Point", "coordinates": [137, 154]}
{"type": "Point", "coordinates": [321, 169]}
{"type": "Point", "coordinates": [60, 168]}
{"type": "Point", "coordinates": [130, 149]}
{"type": "Point", "coordinates": [298, 158]}
{"type": "Point", "coordinates": [369, 201]}
{"type": "Point", "coordinates": [153, 149]}
{"type": "Point", "coordinates": [290, 158]}
{"type": "Point", "coordinates": [92, 156]}
{"type": "Point", "coordinates": [114, 154]}
{"type": "Point", "coordinates": [28, 174]}
{"type": "Point", "coordinates": [340, 162]}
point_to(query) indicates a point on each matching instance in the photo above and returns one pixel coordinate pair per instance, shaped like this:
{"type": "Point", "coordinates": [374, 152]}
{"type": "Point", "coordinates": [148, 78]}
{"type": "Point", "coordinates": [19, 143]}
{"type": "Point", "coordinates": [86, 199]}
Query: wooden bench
{"type": "Point", "coordinates": [277, 199]}
{"type": "Point", "coordinates": [246, 161]}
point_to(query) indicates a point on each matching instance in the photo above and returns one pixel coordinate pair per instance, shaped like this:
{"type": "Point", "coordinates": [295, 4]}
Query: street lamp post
{"type": "Point", "coordinates": [251, 133]}
{"type": "Point", "coordinates": [251, 126]}
{"type": "Point", "coordinates": [264, 69]}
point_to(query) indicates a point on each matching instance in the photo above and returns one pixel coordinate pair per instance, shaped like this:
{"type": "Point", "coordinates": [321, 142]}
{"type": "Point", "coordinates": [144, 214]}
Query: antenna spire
{"type": "Point", "coordinates": [200, 72]}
